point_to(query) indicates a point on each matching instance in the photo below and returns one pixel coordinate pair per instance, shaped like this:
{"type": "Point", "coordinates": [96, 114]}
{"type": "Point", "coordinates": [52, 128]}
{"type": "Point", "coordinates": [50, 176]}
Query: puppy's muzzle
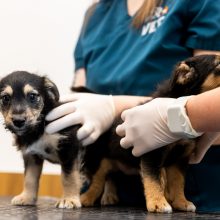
{"type": "Point", "coordinates": [18, 121]}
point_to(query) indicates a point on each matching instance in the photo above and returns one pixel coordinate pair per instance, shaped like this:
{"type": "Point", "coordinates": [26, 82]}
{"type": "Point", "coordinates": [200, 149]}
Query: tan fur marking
{"type": "Point", "coordinates": [211, 82]}
{"type": "Point", "coordinates": [98, 182]}
{"type": "Point", "coordinates": [32, 176]}
{"type": "Point", "coordinates": [154, 195]}
{"type": "Point", "coordinates": [33, 114]}
{"type": "Point", "coordinates": [184, 66]}
{"type": "Point", "coordinates": [71, 184]}
{"type": "Point", "coordinates": [7, 90]}
{"type": "Point", "coordinates": [217, 60]}
{"type": "Point", "coordinates": [175, 190]}
{"type": "Point", "coordinates": [184, 73]}
{"type": "Point", "coordinates": [28, 88]}
{"type": "Point", "coordinates": [8, 116]}
{"type": "Point", "coordinates": [48, 83]}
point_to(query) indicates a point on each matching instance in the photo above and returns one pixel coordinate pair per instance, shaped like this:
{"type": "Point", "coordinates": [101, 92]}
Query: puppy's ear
{"type": "Point", "coordinates": [184, 74]}
{"type": "Point", "coordinates": [51, 90]}
{"type": "Point", "coordinates": [216, 63]}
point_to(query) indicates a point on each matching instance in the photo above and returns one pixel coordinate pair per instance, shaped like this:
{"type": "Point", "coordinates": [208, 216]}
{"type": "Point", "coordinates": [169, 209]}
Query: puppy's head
{"type": "Point", "coordinates": [196, 75]}
{"type": "Point", "coordinates": [25, 98]}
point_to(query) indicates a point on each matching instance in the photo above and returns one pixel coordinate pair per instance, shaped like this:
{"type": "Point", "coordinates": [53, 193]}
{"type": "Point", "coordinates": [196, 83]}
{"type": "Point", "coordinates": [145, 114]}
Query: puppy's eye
{"type": "Point", "coordinates": [33, 97]}
{"type": "Point", "coordinates": [5, 99]}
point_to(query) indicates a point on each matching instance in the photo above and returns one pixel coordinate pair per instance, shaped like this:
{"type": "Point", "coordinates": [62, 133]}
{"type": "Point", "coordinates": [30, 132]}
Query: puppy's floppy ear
{"type": "Point", "coordinates": [51, 90]}
{"type": "Point", "coordinates": [184, 74]}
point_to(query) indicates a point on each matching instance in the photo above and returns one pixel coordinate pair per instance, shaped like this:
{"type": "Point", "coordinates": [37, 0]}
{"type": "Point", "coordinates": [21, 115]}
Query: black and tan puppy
{"type": "Point", "coordinates": [25, 99]}
{"type": "Point", "coordinates": [162, 170]}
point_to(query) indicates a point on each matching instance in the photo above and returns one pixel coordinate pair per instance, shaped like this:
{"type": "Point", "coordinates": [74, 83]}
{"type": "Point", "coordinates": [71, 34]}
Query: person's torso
{"type": "Point", "coordinates": [120, 59]}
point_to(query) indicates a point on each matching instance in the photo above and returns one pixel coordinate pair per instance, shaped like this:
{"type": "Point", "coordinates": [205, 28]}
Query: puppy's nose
{"type": "Point", "coordinates": [18, 122]}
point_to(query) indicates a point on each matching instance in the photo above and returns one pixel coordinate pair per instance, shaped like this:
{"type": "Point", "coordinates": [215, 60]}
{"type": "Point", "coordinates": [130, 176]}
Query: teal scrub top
{"type": "Point", "coordinates": [120, 59]}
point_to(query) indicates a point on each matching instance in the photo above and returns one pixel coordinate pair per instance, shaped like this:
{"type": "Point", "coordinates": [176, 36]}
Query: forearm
{"type": "Point", "coordinates": [79, 77]}
{"type": "Point", "coordinates": [123, 102]}
{"type": "Point", "coordinates": [204, 111]}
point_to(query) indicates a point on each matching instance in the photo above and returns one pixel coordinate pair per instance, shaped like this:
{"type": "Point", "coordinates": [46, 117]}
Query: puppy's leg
{"type": "Point", "coordinates": [71, 182]}
{"type": "Point", "coordinates": [97, 185]}
{"type": "Point", "coordinates": [109, 196]}
{"type": "Point", "coordinates": [175, 190]}
{"type": "Point", "coordinates": [33, 167]}
{"type": "Point", "coordinates": [153, 181]}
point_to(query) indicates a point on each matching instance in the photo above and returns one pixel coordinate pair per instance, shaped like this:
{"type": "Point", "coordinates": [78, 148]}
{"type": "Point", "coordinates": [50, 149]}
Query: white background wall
{"type": "Point", "coordinates": [37, 36]}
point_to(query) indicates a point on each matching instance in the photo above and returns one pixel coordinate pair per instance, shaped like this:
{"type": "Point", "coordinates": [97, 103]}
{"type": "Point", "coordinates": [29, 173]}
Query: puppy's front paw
{"type": "Point", "coordinates": [69, 203]}
{"type": "Point", "coordinates": [87, 200]}
{"type": "Point", "coordinates": [109, 199]}
{"type": "Point", "coordinates": [23, 199]}
{"type": "Point", "coordinates": [161, 206]}
{"type": "Point", "coordinates": [184, 205]}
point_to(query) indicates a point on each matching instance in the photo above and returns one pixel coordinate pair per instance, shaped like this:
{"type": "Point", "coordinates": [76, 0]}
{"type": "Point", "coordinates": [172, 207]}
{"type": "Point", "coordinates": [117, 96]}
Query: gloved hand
{"type": "Point", "coordinates": [145, 127]}
{"type": "Point", "coordinates": [95, 112]}
{"type": "Point", "coordinates": [202, 146]}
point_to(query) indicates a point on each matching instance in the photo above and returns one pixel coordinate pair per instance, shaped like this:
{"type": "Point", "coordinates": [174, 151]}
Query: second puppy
{"type": "Point", "coordinates": [162, 170]}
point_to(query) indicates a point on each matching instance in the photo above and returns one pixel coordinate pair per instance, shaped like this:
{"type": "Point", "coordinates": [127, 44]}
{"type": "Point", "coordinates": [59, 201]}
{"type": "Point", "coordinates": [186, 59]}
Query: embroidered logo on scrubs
{"type": "Point", "coordinates": [155, 22]}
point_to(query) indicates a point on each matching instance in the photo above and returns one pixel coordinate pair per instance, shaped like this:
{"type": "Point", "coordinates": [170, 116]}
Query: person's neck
{"type": "Point", "coordinates": [133, 6]}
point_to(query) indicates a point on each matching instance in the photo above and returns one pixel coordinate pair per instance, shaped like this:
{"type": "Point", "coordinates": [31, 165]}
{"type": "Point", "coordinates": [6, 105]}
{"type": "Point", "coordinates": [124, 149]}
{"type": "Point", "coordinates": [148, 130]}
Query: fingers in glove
{"type": "Point", "coordinates": [120, 130]}
{"type": "Point", "coordinates": [84, 131]}
{"type": "Point", "coordinates": [64, 122]}
{"type": "Point", "coordinates": [91, 139]}
{"type": "Point", "coordinates": [123, 115]}
{"type": "Point", "coordinates": [126, 143]}
{"type": "Point", "coordinates": [60, 111]}
{"type": "Point", "coordinates": [137, 151]}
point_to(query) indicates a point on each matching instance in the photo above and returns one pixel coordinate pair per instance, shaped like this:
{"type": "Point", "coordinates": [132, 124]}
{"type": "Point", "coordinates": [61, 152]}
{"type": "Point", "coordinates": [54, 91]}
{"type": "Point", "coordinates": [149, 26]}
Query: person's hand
{"type": "Point", "coordinates": [94, 112]}
{"type": "Point", "coordinates": [145, 127]}
{"type": "Point", "coordinates": [203, 144]}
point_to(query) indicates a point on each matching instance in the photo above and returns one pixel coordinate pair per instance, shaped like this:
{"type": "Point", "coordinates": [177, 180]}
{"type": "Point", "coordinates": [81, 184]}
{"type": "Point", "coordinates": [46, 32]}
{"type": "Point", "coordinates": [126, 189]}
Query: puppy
{"type": "Point", "coordinates": [25, 99]}
{"type": "Point", "coordinates": [162, 170]}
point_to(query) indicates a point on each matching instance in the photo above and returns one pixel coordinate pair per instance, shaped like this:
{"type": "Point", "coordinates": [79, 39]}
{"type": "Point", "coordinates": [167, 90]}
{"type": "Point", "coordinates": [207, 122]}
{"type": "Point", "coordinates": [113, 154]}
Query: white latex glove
{"type": "Point", "coordinates": [202, 146]}
{"type": "Point", "coordinates": [145, 127]}
{"type": "Point", "coordinates": [95, 112]}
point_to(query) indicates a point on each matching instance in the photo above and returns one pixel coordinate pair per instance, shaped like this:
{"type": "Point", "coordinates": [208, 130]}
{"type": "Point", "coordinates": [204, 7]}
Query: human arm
{"type": "Point", "coordinates": [205, 106]}
{"type": "Point", "coordinates": [155, 113]}
{"type": "Point", "coordinates": [198, 52]}
{"type": "Point", "coordinates": [79, 77]}
{"type": "Point", "coordinates": [94, 112]}
{"type": "Point", "coordinates": [152, 118]}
